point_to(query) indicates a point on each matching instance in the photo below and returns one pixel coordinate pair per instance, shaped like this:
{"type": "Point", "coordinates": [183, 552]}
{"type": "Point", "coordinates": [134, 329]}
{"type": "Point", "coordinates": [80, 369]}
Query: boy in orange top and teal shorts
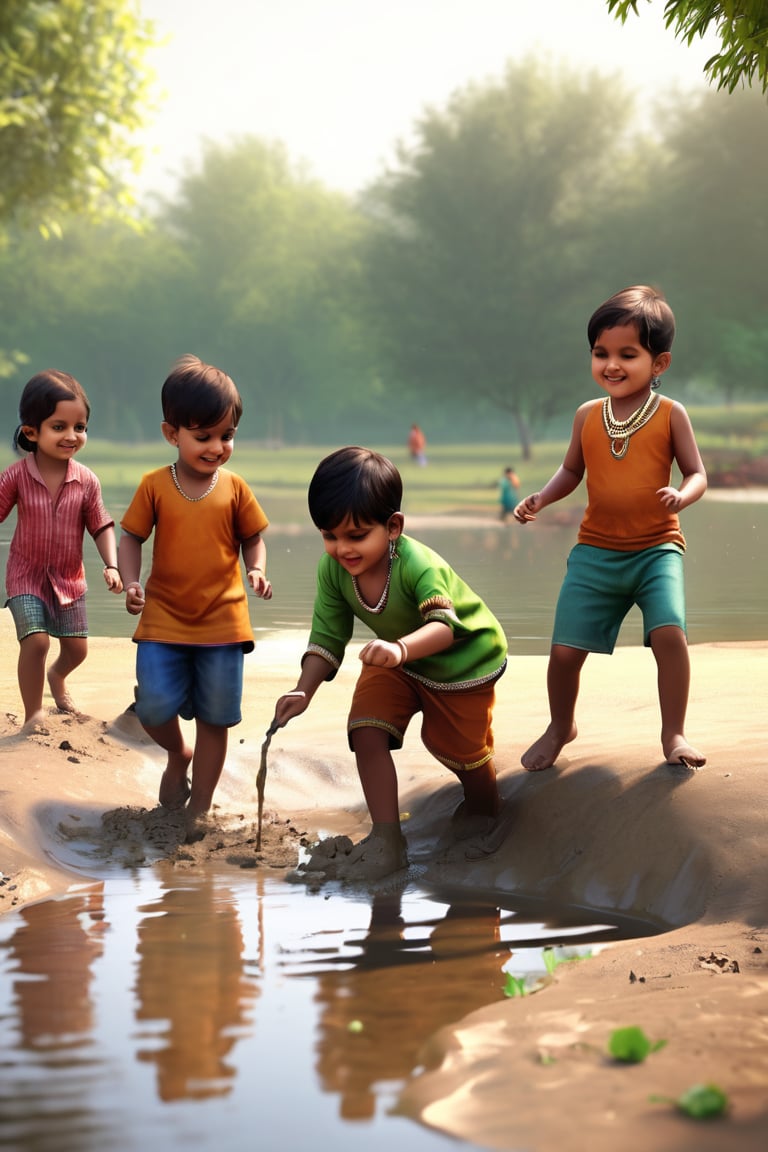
{"type": "Point", "coordinates": [438, 651]}
{"type": "Point", "coordinates": [630, 546]}
{"type": "Point", "coordinates": [194, 627]}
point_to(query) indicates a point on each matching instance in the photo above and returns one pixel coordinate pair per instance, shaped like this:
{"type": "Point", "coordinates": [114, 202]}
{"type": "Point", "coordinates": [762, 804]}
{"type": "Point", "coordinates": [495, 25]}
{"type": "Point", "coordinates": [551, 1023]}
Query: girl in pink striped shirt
{"type": "Point", "coordinates": [56, 500]}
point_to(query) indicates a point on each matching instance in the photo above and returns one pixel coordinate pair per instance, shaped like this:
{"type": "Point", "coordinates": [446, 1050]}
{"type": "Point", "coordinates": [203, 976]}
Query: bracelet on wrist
{"type": "Point", "coordinates": [111, 568]}
{"type": "Point", "coordinates": [403, 652]}
{"type": "Point", "coordinates": [256, 569]}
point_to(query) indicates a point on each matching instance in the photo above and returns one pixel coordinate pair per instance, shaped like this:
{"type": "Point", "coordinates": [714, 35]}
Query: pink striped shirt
{"type": "Point", "coordinates": [46, 553]}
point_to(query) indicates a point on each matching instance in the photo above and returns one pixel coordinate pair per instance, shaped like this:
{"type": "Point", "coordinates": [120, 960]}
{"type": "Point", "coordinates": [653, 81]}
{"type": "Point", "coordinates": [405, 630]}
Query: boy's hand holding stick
{"type": "Point", "coordinates": [261, 776]}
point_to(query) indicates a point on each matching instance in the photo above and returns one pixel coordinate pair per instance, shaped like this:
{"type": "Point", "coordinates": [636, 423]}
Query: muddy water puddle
{"type": "Point", "coordinates": [205, 1011]}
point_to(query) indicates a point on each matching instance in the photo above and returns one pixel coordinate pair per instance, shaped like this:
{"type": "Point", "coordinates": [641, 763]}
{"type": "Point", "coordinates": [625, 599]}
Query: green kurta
{"type": "Point", "coordinates": [423, 587]}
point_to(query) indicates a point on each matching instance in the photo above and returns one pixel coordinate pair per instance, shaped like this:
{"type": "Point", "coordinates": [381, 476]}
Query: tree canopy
{"type": "Point", "coordinates": [74, 88]}
{"type": "Point", "coordinates": [742, 26]}
{"type": "Point", "coordinates": [487, 238]}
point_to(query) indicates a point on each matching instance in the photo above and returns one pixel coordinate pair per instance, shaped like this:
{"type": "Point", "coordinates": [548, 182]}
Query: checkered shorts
{"type": "Point", "coordinates": [31, 614]}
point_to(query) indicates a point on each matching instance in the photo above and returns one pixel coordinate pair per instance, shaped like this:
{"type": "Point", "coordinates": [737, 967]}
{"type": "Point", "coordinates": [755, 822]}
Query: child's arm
{"type": "Point", "coordinates": [314, 671]}
{"type": "Point", "coordinates": [255, 558]}
{"type": "Point", "coordinates": [426, 641]}
{"type": "Point", "coordinates": [686, 452]}
{"type": "Point", "coordinates": [567, 478]}
{"type": "Point", "coordinates": [129, 559]}
{"type": "Point", "coordinates": [106, 543]}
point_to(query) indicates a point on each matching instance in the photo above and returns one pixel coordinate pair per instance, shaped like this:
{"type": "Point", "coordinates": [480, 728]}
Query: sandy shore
{"type": "Point", "coordinates": [610, 828]}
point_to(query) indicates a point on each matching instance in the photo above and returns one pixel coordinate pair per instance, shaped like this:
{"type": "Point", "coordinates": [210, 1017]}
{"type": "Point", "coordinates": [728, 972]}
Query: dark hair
{"type": "Point", "coordinates": [354, 482]}
{"type": "Point", "coordinates": [197, 395]}
{"type": "Point", "coordinates": [642, 306]}
{"type": "Point", "coordinates": [39, 400]}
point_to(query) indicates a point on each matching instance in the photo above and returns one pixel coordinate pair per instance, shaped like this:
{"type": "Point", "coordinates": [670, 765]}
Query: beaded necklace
{"type": "Point", "coordinates": [382, 601]}
{"type": "Point", "coordinates": [620, 431]}
{"type": "Point", "coordinates": [194, 499]}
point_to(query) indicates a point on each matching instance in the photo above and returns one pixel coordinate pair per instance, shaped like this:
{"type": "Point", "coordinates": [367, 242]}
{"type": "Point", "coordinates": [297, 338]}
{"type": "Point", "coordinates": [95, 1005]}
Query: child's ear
{"type": "Point", "coordinates": [171, 434]}
{"type": "Point", "coordinates": [30, 432]}
{"type": "Point", "coordinates": [661, 363]}
{"type": "Point", "coordinates": [395, 525]}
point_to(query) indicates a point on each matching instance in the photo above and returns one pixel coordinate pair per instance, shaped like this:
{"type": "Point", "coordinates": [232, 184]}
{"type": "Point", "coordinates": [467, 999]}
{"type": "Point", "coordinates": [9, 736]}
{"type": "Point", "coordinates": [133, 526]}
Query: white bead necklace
{"type": "Point", "coordinates": [194, 499]}
{"type": "Point", "coordinates": [619, 431]}
{"type": "Point", "coordinates": [382, 601]}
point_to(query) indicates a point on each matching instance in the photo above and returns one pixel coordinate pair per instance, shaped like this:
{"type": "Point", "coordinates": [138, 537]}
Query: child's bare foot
{"type": "Point", "coordinates": [381, 853]}
{"type": "Point", "coordinates": [61, 696]}
{"type": "Point", "coordinates": [34, 723]}
{"type": "Point", "coordinates": [684, 753]}
{"type": "Point", "coordinates": [196, 825]}
{"type": "Point", "coordinates": [545, 751]}
{"type": "Point", "coordinates": [174, 785]}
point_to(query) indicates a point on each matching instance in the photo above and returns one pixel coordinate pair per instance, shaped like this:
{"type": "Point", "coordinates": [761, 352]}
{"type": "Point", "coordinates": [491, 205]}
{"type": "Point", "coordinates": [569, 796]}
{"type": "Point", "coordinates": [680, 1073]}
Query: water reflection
{"type": "Point", "coordinates": [161, 1007]}
{"type": "Point", "coordinates": [377, 1012]}
{"type": "Point", "coordinates": [190, 983]}
{"type": "Point", "coordinates": [51, 957]}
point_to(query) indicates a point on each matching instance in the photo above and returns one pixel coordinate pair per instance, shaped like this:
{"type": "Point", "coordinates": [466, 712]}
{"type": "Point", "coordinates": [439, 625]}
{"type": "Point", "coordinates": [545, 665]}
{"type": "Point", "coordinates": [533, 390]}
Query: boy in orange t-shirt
{"type": "Point", "coordinates": [194, 627]}
{"type": "Point", "coordinates": [630, 547]}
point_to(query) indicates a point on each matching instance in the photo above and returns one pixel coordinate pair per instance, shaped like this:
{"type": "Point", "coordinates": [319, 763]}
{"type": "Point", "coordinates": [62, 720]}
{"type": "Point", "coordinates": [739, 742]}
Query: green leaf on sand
{"type": "Point", "coordinates": [631, 1045]}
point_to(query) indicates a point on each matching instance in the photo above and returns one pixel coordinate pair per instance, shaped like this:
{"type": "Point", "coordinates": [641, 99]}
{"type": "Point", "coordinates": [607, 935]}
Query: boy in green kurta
{"type": "Point", "coordinates": [438, 650]}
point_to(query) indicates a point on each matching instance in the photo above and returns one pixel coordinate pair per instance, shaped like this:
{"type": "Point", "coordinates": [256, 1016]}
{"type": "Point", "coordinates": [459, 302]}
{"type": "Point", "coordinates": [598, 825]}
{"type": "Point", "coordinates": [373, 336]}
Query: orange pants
{"type": "Point", "coordinates": [455, 727]}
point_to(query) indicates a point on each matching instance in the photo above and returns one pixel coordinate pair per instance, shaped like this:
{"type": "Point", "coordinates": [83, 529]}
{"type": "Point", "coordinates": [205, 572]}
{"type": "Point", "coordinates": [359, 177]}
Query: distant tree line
{"type": "Point", "coordinates": [455, 291]}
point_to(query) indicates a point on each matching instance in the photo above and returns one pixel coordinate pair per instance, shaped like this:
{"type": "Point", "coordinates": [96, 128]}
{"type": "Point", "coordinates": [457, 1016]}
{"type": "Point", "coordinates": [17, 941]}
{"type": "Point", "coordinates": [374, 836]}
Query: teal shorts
{"type": "Point", "coordinates": [601, 585]}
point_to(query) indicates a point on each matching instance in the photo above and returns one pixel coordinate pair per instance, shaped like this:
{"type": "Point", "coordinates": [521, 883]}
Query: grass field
{"type": "Point", "coordinates": [458, 477]}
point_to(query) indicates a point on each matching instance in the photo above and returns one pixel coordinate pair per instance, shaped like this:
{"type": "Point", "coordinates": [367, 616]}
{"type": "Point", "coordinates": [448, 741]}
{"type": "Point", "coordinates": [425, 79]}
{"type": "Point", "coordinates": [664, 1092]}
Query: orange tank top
{"type": "Point", "coordinates": [623, 511]}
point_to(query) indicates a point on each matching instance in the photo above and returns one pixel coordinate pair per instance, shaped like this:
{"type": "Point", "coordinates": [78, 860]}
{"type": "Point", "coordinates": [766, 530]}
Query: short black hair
{"type": "Point", "coordinates": [197, 395]}
{"type": "Point", "coordinates": [356, 482]}
{"type": "Point", "coordinates": [39, 400]}
{"type": "Point", "coordinates": [642, 306]}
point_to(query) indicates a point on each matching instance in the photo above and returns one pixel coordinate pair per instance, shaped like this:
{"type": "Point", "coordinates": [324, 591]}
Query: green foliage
{"type": "Point", "coordinates": [631, 1045]}
{"type": "Point", "coordinates": [270, 282]}
{"type": "Point", "coordinates": [742, 26]}
{"type": "Point", "coordinates": [456, 294]}
{"type": "Point", "coordinates": [73, 88]}
{"type": "Point", "coordinates": [484, 242]}
{"type": "Point", "coordinates": [703, 1101]}
{"type": "Point", "coordinates": [522, 985]}
{"type": "Point", "coordinates": [700, 1102]}
{"type": "Point", "coordinates": [552, 960]}
{"type": "Point", "coordinates": [515, 986]}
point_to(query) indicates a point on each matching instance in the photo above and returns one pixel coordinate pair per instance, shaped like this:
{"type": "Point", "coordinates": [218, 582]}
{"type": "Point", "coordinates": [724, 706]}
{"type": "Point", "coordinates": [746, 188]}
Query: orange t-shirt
{"type": "Point", "coordinates": [195, 591]}
{"type": "Point", "coordinates": [623, 511]}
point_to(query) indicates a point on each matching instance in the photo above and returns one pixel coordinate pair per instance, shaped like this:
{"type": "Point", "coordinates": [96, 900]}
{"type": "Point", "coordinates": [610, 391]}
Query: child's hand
{"type": "Point", "coordinates": [288, 706]}
{"type": "Point", "coordinates": [383, 653]}
{"type": "Point", "coordinates": [134, 598]}
{"type": "Point", "coordinates": [527, 508]}
{"type": "Point", "coordinates": [670, 498]}
{"type": "Point", "coordinates": [258, 581]}
{"type": "Point", "coordinates": [112, 578]}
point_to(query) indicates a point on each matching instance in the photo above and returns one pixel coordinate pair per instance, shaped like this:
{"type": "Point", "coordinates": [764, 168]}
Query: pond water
{"type": "Point", "coordinates": [156, 1009]}
{"type": "Point", "coordinates": [518, 570]}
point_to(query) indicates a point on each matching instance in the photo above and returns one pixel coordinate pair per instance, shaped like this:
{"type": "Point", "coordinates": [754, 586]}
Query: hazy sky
{"type": "Point", "coordinates": [341, 81]}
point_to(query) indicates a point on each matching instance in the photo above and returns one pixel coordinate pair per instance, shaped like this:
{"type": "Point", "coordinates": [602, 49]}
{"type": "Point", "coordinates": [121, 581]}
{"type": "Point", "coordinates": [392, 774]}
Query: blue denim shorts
{"type": "Point", "coordinates": [194, 681]}
{"type": "Point", "coordinates": [601, 585]}
{"type": "Point", "coordinates": [31, 614]}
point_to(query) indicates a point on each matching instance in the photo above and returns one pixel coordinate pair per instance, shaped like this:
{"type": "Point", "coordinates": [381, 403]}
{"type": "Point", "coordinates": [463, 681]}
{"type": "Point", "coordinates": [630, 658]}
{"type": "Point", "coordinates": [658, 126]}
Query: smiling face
{"type": "Point", "coordinates": [361, 548]}
{"type": "Point", "coordinates": [623, 367]}
{"type": "Point", "coordinates": [61, 434]}
{"type": "Point", "coordinates": [202, 450]}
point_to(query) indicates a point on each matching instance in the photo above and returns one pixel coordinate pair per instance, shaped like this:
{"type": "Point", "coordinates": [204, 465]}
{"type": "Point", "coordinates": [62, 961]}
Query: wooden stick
{"type": "Point", "coordinates": [261, 777]}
